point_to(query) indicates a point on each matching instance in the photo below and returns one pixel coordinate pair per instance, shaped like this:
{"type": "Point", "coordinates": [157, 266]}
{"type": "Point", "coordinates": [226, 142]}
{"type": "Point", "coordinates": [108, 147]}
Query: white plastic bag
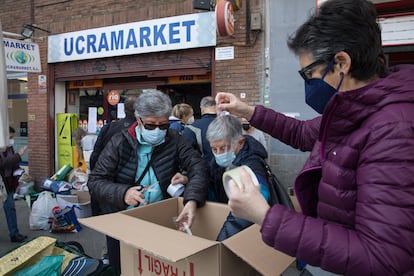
{"type": "Point", "coordinates": [41, 213]}
{"type": "Point", "coordinates": [3, 191]}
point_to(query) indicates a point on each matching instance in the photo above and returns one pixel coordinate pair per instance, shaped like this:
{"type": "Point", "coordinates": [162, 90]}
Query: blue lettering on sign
{"type": "Point", "coordinates": [159, 35]}
{"type": "Point", "coordinates": [91, 43]}
{"type": "Point", "coordinates": [78, 49]}
{"type": "Point", "coordinates": [67, 51]}
{"type": "Point", "coordinates": [144, 33]}
{"type": "Point", "coordinates": [117, 42]}
{"type": "Point", "coordinates": [174, 31]}
{"type": "Point", "coordinates": [131, 40]}
{"type": "Point", "coordinates": [18, 45]}
{"type": "Point", "coordinates": [188, 25]}
{"type": "Point", "coordinates": [103, 44]}
{"type": "Point", "coordinates": [145, 36]}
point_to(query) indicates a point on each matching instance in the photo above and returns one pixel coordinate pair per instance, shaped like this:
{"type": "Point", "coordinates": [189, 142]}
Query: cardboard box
{"type": "Point", "coordinates": [81, 200]}
{"type": "Point", "coordinates": [151, 245]}
{"type": "Point", "coordinates": [26, 255]}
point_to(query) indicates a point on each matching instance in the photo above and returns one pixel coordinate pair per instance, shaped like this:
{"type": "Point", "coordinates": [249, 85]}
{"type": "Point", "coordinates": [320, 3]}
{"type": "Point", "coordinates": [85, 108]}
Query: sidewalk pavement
{"type": "Point", "coordinates": [93, 242]}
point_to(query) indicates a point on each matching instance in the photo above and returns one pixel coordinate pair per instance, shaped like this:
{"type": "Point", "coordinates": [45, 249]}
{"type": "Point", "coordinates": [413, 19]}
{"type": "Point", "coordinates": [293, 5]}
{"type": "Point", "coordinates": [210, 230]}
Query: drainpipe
{"type": "Point", "coordinates": [266, 81]}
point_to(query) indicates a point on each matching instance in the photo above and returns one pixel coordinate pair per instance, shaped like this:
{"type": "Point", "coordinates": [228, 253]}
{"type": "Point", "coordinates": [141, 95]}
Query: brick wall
{"type": "Point", "coordinates": [243, 74]}
{"type": "Point", "coordinates": [40, 139]}
{"type": "Point", "coordinates": [14, 14]}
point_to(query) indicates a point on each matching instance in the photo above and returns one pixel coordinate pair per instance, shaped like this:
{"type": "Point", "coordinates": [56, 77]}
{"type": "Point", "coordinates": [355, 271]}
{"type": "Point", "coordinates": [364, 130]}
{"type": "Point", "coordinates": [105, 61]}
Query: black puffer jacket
{"type": "Point", "coordinates": [107, 132]}
{"type": "Point", "coordinates": [115, 170]}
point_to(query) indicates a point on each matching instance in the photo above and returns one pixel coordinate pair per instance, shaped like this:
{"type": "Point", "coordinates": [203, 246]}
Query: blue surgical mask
{"type": "Point", "coordinates": [225, 159]}
{"type": "Point", "coordinates": [153, 137]}
{"type": "Point", "coordinates": [318, 92]}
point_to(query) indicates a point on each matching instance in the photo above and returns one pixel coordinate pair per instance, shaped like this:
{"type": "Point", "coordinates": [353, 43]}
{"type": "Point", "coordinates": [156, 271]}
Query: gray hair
{"type": "Point", "coordinates": [207, 101]}
{"type": "Point", "coordinates": [226, 128]}
{"type": "Point", "coordinates": [153, 103]}
{"type": "Point", "coordinates": [129, 104]}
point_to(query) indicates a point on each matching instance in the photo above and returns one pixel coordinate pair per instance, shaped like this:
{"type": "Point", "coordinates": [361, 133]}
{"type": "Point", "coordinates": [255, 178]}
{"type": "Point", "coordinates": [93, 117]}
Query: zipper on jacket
{"type": "Point", "coordinates": [323, 137]}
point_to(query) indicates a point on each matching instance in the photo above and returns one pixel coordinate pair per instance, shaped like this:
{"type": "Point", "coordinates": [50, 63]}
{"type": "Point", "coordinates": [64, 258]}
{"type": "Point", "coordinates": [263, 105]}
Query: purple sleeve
{"type": "Point", "coordinates": [293, 132]}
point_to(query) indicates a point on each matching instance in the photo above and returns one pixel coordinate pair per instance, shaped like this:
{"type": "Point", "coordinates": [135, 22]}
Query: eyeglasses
{"type": "Point", "coordinates": [305, 72]}
{"type": "Point", "coordinates": [154, 126]}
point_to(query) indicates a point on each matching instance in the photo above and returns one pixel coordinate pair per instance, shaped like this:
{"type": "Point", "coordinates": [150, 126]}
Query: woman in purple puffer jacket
{"type": "Point", "coordinates": [356, 190]}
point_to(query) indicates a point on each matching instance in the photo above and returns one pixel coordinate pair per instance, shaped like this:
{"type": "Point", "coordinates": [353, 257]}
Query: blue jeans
{"type": "Point", "coordinates": [10, 212]}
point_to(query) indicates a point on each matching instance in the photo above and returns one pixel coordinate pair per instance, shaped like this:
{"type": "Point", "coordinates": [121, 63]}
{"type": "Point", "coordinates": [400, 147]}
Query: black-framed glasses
{"type": "Point", "coordinates": [305, 72]}
{"type": "Point", "coordinates": [149, 126]}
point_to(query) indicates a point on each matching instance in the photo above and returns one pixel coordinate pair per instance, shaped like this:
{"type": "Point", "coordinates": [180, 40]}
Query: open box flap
{"type": "Point", "coordinates": [160, 241]}
{"type": "Point", "coordinates": [249, 246]}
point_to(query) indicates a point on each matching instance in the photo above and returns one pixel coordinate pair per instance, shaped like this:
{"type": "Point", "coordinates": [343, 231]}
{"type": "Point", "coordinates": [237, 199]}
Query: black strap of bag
{"type": "Point", "coordinates": [138, 182]}
{"type": "Point", "coordinates": [277, 193]}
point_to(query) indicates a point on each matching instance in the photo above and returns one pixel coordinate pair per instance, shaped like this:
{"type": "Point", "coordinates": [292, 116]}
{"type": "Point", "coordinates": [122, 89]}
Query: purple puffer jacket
{"type": "Point", "coordinates": [356, 190]}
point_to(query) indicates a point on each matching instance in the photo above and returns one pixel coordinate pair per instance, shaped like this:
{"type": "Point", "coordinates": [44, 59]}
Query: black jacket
{"type": "Point", "coordinates": [106, 134]}
{"type": "Point", "coordinates": [114, 173]}
{"type": "Point", "coordinates": [9, 162]}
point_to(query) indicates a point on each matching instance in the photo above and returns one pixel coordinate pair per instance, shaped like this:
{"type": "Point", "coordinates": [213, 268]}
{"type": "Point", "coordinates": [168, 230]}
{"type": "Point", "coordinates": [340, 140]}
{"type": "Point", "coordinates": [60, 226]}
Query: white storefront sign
{"type": "Point", "coordinates": [398, 30]}
{"type": "Point", "coordinates": [163, 34]}
{"type": "Point", "coordinates": [224, 53]}
{"type": "Point", "coordinates": [21, 56]}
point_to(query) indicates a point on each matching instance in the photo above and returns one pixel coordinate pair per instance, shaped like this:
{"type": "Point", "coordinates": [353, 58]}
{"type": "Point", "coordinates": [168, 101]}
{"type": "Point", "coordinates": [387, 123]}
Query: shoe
{"type": "Point", "coordinates": [18, 238]}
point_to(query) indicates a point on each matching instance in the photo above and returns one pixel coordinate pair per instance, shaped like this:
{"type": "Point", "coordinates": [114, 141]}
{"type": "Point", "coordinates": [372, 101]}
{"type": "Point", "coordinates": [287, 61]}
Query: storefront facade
{"type": "Point", "coordinates": [258, 67]}
{"type": "Point", "coordinates": [187, 72]}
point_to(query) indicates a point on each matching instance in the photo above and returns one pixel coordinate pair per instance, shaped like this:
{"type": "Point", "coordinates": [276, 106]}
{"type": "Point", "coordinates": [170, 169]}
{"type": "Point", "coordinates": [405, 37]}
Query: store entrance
{"type": "Point", "coordinates": [95, 98]}
{"type": "Point", "coordinates": [190, 93]}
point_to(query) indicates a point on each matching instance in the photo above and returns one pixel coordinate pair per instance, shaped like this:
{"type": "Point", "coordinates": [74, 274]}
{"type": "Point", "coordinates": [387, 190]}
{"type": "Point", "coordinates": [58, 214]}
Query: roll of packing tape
{"type": "Point", "coordinates": [235, 175]}
{"type": "Point", "coordinates": [175, 190]}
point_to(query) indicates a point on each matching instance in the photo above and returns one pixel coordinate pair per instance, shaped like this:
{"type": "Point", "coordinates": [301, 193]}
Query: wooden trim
{"type": "Point", "coordinates": [151, 65]}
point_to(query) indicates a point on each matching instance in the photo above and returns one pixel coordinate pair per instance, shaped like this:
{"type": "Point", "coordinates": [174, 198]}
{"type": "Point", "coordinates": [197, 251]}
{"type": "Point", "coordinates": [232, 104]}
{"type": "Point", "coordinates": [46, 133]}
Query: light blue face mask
{"type": "Point", "coordinates": [153, 137]}
{"type": "Point", "coordinates": [225, 159]}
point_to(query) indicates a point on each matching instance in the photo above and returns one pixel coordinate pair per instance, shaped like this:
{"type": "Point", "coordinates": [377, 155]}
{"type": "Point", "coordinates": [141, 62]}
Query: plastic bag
{"type": "Point", "coordinates": [41, 213]}
{"type": "Point", "coordinates": [25, 178]}
{"type": "Point", "coordinates": [58, 187]}
{"type": "Point", "coordinates": [64, 221]}
{"type": "Point", "coordinates": [25, 188]}
{"type": "Point", "coordinates": [49, 265]}
{"type": "Point", "coordinates": [79, 179]}
{"type": "Point", "coordinates": [3, 192]}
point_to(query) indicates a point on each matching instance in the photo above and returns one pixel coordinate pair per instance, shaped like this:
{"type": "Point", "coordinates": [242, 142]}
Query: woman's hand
{"type": "Point", "coordinates": [133, 196]}
{"type": "Point", "coordinates": [179, 178]}
{"type": "Point", "coordinates": [22, 150]}
{"type": "Point", "coordinates": [186, 218]}
{"type": "Point", "coordinates": [229, 102]}
{"type": "Point", "coordinates": [247, 203]}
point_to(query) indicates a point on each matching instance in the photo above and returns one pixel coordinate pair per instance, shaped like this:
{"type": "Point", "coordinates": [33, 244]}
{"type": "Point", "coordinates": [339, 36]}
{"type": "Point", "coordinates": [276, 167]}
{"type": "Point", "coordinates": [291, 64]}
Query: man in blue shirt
{"type": "Point", "coordinates": [195, 134]}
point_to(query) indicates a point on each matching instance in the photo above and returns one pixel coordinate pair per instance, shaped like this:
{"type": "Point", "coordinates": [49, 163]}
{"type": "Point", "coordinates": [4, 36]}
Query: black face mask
{"type": "Point", "coordinates": [246, 126]}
